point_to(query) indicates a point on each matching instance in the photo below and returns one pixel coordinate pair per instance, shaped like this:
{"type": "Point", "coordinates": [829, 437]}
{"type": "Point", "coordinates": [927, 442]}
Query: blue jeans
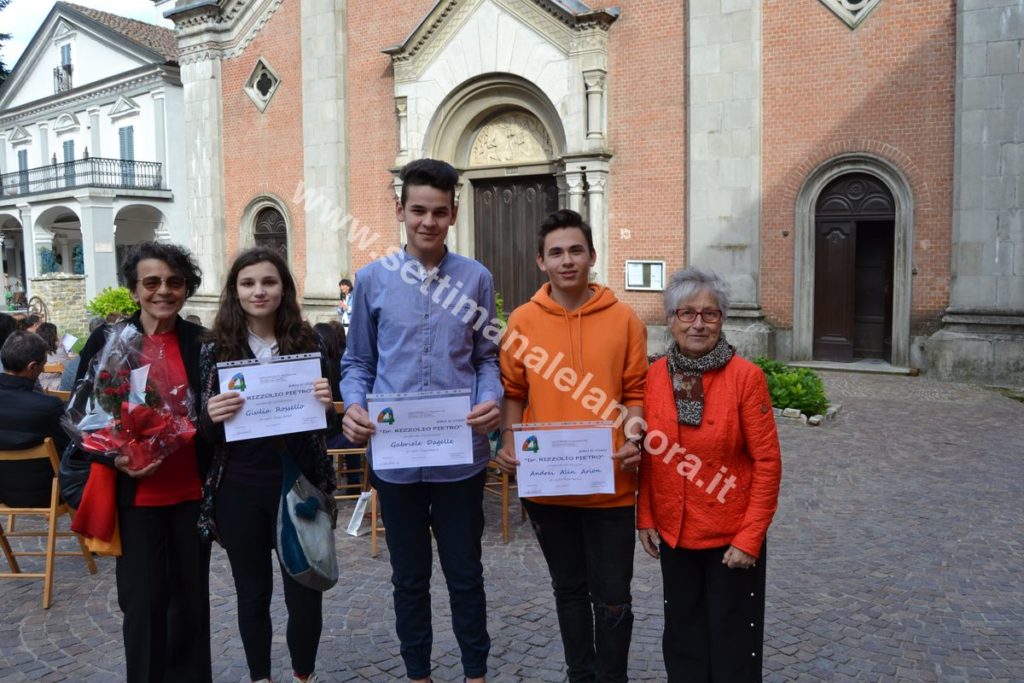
{"type": "Point", "coordinates": [589, 552]}
{"type": "Point", "coordinates": [454, 512]}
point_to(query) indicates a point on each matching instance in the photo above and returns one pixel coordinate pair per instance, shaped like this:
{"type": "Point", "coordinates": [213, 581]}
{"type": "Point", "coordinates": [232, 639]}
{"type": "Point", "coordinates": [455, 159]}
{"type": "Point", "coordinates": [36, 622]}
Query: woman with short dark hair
{"type": "Point", "coordinates": [163, 570]}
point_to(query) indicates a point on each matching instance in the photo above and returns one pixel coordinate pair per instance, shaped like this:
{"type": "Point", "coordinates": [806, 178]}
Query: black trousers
{"type": "Point", "coordinates": [714, 617]}
{"type": "Point", "coordinates": [163, 589]}
{"type": "Point", "coordinates": [247, 519]}
{"type": "Point", "coordinates": [454, 512]}
{"type": "Point", "coordinates": [589, 552]}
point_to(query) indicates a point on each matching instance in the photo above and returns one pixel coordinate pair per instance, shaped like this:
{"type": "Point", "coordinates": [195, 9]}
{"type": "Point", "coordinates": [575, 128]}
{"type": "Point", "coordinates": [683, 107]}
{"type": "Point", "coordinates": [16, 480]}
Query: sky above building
{"type": "Point", "coordinates": [22, 19]}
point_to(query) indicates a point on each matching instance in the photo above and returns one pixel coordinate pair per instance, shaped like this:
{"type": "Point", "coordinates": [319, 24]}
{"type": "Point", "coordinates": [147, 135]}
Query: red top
{"type": "Point", "coordinates": [177, 478]}
{"type": "Point", "coordinates": [716, 484]}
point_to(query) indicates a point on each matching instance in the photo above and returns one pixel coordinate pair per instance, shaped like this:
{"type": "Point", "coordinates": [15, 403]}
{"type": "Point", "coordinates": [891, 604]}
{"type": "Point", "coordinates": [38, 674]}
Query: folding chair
{"type": "Point", "coordinates": [52, 515]}
{"type": "Point", "coordinates": [364, 468]}
{"type": "Point", "coordinates": [62, 395]}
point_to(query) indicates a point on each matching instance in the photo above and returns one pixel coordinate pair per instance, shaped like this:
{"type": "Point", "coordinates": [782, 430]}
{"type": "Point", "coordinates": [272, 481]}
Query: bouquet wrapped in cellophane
{"type": "Point", "coordinates": [117, 409]}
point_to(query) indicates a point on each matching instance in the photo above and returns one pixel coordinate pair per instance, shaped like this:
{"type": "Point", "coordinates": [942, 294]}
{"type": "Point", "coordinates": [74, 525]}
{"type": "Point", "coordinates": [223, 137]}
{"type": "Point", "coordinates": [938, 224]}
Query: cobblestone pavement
{"type": "Point", "coordinates": [896, 555]}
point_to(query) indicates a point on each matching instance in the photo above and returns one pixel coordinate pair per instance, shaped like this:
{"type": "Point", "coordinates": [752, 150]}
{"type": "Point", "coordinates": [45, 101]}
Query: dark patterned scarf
{"type": "Point", "coordinates": [687, 380]}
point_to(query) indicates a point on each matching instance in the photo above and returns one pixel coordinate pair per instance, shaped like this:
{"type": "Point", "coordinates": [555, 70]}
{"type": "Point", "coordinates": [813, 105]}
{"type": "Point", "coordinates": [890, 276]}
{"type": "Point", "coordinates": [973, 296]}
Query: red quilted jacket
{"type": "Point", "coordinates": [716, 484]}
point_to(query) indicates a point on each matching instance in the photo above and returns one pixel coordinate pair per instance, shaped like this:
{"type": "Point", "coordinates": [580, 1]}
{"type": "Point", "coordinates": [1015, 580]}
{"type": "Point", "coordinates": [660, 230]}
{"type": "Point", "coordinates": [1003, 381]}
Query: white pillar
{"type": "Point", "coordinates": [325, 158]}
{"type": "Point", "coordinates": [29, 245]}
{"type": "Point", "coordinates": [574, 185]}
{"type": "Point", "coordinates": [3, 277]}
{"type": "Point", "coordinates": [159, 134]}
{"type": "Point", "coordinates": [94, 123]}
{"type": "Point", "coordinates": [594, 81]}
{"type": "Point", "coordinates": [597, 182]}
{"type": "Point", "coordinates": [66, 266]}
{"type": "Point", "coordinates": [98, 244]}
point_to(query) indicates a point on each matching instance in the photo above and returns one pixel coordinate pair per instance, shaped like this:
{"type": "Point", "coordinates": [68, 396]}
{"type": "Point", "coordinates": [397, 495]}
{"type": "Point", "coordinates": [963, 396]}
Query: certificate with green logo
{"type": "Point", "coordinates": [279, 396]}
{"type": "Point", "coordinates": [564, 459]}
{"type": "Point", "coordinates": [420, 429]}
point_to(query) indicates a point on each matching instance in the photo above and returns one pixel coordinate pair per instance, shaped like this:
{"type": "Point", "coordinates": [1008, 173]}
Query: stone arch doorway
{"type": "Point", "coordinates": [895, 184]}
{"type": "Point", "coordinates": [853, 270]}
{"type": "Point", "coordinates": [507, 140]}
{"type": "Point", "coordinates": [266, 223]}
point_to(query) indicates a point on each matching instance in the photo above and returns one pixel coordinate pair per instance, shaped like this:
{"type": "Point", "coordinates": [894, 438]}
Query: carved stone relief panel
{"type": "Point", "coordinates": [512, 138]}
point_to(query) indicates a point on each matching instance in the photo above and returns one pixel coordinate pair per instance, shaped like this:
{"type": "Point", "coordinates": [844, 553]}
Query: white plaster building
{"type": "Point", "coordinates": [92, 158]}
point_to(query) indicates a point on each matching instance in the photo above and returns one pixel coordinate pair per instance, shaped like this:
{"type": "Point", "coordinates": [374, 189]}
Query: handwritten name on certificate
{"type": "Point", "coordinates": [426, 429]}
{"type": "Point", "coordinates": [564, 461]}
{"type": "Point", "coordinates": [279, 396]}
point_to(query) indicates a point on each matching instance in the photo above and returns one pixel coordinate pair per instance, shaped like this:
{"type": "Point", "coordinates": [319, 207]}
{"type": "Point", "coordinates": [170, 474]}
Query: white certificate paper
{"type": "Point", "coordinates": [564, 459]}
{"type": "Point", "coordinates": [424, 429]}
{"type": "Point", "coordinates": [279, 396]}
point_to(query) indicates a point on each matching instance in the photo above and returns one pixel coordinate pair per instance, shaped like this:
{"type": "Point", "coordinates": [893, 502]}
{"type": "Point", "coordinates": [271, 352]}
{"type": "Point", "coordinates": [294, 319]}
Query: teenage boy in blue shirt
{"type": "Point", "coordinates": [406, 336]}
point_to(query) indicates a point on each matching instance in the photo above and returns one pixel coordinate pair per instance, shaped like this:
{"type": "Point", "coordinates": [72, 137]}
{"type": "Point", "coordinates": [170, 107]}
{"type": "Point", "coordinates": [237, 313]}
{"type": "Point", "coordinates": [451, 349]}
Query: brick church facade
{"type": "Point", "coordinates": [854, 168]}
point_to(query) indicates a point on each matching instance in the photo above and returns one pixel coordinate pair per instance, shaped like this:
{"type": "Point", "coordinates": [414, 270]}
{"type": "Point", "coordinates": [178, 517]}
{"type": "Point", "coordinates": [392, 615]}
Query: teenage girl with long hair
{"type": "Point", "coordinates": [259, 317]}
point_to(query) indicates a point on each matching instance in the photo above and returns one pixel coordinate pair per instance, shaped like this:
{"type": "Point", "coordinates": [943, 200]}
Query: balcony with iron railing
{"type": "Point", "coordinates": [62, 78]}
{"type": "Point", "coordinates": [117, 174]}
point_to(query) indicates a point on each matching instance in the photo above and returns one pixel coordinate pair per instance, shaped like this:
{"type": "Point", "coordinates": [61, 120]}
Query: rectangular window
{"type": "Point", "coordinates": [23, 170]}
{"type": "Point", "coordinates": [69, 163]}
{"type": "Point", "coordinates": [65, 54]}
{"type": "Point", "coordinates": [127, 136]}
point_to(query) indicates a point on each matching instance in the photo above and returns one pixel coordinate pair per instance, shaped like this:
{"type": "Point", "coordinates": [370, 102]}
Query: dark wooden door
{"type": "Point", "coordinates": [834, 277]}
{"type": "Point", "coordinates": [853, 269]}
{"type": "Point", "coordinates": [507, 214]}
{"type": "Point", "coordinates": [872, 310]}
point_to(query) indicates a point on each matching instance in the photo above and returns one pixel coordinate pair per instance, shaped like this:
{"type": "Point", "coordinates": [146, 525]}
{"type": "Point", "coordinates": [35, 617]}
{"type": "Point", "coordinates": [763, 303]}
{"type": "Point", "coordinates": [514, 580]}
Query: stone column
{"type": "Point", "coordinates": [44, 144]}
{"type": "Point", "coordinates": [402, 110]}
{"type": "Point", "coordinates": [201, 84]}
{"type": "Point", "coordinates": [4, 275]}
{"type": "Point", "coordinates": [982, 337]}
{"type": "Point", "coordinates": [3, 155]}
{"type": "Point", "coordinates": [29, 245]}
{"type": "Point", "coordinates": [325, 159]}
{"type": "Point", "coordinates": [159, 133]}
{"type": "Point", "coordinates": [594, 81]}
{"type": "Point", "coordinates": [597, 183]}
{"type": "Point", "coordinates": [98, 244]}
{"type": "Point", "coordinates": [64, 244]}
{"type": "Point", "coordinates": [574, 183]}
{"type": "Point", "coordinates": [95, 150]}
{"type": "Point", "coordinates": [724, 155]}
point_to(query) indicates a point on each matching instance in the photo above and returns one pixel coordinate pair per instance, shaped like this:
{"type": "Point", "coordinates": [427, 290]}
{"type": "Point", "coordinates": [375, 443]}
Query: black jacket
{"type": "Point", "coordinates": [26, 418]}
{"type": "Point", "coordinates": [190, 338]}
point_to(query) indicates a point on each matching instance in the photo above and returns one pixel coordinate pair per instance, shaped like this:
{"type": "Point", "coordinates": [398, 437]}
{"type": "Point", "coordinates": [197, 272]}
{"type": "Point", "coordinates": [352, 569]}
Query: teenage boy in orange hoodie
{"type": "Point", "coordinates": [600, 346]}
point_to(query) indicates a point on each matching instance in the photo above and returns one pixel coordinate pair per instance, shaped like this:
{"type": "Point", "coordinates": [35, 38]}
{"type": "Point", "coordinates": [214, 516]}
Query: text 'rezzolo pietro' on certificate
{"type": "Point", "coordinates": [279, 396]}
{"type": "Point", "coordinates": [564, 458]}
{"type": "Point", "coordinates": [420, 429]}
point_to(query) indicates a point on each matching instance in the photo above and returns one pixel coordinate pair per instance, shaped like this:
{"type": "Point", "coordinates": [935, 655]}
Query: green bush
{"type": "Point", "coordinates": [499, 305]}
{"type": "Point", "coordinates": [799, 388]}
{"type": "Point", "coordinates": [112, 300]}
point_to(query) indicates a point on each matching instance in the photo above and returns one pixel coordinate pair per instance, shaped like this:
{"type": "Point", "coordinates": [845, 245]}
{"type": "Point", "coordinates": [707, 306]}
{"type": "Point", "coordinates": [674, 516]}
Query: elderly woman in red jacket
{"type": "Point", "coordinates": [709, 485]}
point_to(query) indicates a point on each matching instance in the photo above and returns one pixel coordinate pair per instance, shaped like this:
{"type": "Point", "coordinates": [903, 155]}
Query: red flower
{"type": "Point", "coordinates": [109, 391]}
{"type": "Point", "coordinates": [123, 373]}
{"type": "Point", "coordinates": [104, 375]}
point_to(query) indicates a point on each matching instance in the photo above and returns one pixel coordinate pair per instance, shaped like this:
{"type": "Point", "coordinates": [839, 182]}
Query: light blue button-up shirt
{"type": "Point", "coordinates": [412, 330]}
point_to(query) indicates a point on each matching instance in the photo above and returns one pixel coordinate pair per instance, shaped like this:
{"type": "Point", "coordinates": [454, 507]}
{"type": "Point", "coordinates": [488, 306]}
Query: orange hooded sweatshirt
{"type": "Point", "coordinates": [577, 366]}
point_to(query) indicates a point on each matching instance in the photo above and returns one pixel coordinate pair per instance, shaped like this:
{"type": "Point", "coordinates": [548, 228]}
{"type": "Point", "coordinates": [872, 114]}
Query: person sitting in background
{"type": "Point", "coordinates": [30, 323]}
{"type": "Point", "coordinates": [7, 325]}
{"type": "Point", "coordinates": [26, 419]}
{"type": "Point", "coordinates": [67, 378]}
{"type": "Point", "coordinates": [333, 336]}
{"type": "Point", "coordinates": [194, 319]}
{"type": "Point", "coordinates": [55, 353]}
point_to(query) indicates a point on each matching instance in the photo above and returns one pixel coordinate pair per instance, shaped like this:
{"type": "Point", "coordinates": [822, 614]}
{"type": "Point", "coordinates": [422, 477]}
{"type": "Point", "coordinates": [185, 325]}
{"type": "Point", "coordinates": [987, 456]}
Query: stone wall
{"type": "Point", "coordinates": [64, 296]}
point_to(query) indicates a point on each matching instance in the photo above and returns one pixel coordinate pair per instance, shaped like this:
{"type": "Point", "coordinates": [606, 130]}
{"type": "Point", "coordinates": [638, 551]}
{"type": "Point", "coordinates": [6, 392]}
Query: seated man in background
{"type": "Point", "coordinates": [26, 419]}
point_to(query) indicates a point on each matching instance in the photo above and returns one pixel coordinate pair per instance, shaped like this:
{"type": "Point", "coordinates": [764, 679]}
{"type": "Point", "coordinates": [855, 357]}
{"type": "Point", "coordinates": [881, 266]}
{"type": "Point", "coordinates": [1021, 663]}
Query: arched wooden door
{"type": "Point", "coordinates": [271, 231]}
{"type": "Point", "coordinates": [853, 270]}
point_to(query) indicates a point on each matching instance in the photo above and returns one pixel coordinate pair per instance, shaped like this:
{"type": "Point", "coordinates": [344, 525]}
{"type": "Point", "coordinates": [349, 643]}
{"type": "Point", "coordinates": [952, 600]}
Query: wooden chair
{"type": "Point", "coordinates": [62, 395]}
{"type": "Point", "coordinates": [57, 368]}
{"type": "Point", "coordinates": [52, 515]}
{"type": "Point", "coordinates": [497, 483]}
{"type": "Point", "coordinates": [353, 491]}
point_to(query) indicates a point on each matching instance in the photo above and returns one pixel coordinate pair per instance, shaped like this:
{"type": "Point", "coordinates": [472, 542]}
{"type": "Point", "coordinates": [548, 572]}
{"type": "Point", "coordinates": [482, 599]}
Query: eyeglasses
{"type": "Point", "coordinates": [688, 315]}
{"type": "Point", "coordinates": [152, 283]}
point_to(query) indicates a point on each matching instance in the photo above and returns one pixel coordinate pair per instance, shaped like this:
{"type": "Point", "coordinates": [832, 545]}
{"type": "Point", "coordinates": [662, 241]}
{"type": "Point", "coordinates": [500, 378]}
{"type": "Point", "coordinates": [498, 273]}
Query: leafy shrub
{"type": "Point", "coordinates": [112, 300]}
{"type": "Point", "coordinates": [799, 388]}
{"type": "Point", "coordinates": [499, 305]}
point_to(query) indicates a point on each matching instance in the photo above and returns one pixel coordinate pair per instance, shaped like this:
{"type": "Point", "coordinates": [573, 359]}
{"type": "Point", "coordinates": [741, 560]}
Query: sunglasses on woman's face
{"type": "Point", "coordinates": [152, 283]}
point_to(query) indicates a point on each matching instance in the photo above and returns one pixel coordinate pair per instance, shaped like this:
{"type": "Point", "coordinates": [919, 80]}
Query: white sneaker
{"type": "Point", "coordinates": [313, 678]}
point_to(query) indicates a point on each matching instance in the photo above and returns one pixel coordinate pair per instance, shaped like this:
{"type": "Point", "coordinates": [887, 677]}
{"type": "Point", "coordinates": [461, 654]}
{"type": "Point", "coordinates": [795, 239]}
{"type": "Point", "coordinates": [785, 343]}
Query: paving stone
{"type": "Point", "coordinates": [895, 555]}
